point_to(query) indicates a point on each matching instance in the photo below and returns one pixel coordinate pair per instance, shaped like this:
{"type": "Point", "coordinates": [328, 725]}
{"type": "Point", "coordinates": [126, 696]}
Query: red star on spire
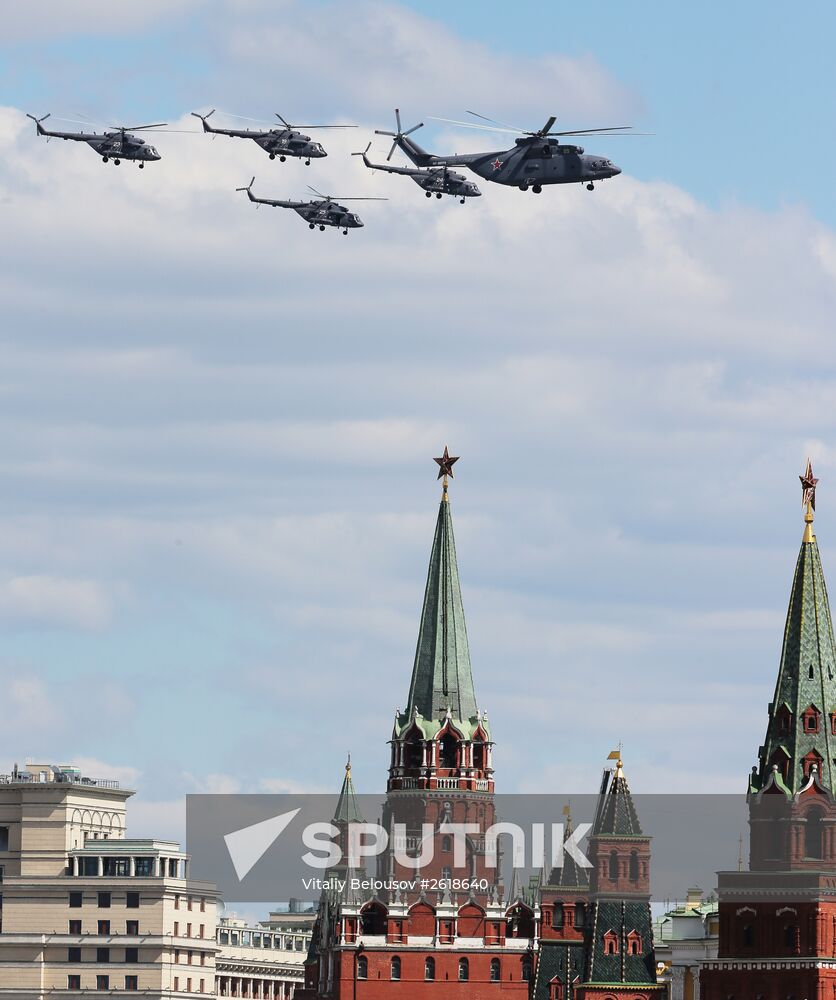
{"type": "Point", "coordinates": [445, 464]}
{"type": "Point", "coordinates": [808, 487]}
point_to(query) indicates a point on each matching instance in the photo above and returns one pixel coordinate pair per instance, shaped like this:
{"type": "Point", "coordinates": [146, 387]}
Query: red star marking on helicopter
{"type": "Point", "coordinates": [497, 163]}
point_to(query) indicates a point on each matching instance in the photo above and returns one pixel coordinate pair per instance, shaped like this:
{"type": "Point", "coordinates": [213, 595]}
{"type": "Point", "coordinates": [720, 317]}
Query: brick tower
{"type": "Point", "coordinates": [778, 919]}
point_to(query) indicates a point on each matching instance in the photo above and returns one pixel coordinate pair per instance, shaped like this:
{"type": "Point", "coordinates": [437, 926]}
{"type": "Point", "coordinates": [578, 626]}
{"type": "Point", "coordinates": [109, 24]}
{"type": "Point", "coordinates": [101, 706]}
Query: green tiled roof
{"type": "Point", "coordinates": [621, 917]}
{"type": "Point", "coordinates": [616, 814]}
{"type": "Point", "coordinates": [348, 811]}
{"type": "Point", "coordinates": [807, 677]}
{"type": "Point", "coordinates": [442, 680]}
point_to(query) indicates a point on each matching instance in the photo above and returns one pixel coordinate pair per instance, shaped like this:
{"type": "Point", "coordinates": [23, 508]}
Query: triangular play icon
{"type": "Point", "coordinates": [248, 845]}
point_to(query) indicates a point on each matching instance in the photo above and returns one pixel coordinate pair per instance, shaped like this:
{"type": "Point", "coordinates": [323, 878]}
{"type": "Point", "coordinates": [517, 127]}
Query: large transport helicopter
{"type": "Point", "coordinates": [436, 181]}
{"type": "Point", "coordinates": [281, 142]}
{"type": "Point", "coordinates": [117, 145]}
{"type": "Point", "coordinates": [325, 211]}
{"type": "Point", "coordinates": [536, 159]}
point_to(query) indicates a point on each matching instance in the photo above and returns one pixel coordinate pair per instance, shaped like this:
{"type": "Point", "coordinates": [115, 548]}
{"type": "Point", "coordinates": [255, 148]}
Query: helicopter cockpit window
{"type": "Point", "coordinates": [547, 150]}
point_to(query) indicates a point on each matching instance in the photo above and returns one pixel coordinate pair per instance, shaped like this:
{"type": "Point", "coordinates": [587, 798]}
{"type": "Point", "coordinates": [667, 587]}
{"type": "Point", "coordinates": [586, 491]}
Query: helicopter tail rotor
{"type": "Point", "coordinates": [204, 118]}
{"type": "Point", "coordinates": [400, 134]}
{"type": "Point", "coordinates": [248, 189]}
{"type": "Point", "coordinates": [38, 121]}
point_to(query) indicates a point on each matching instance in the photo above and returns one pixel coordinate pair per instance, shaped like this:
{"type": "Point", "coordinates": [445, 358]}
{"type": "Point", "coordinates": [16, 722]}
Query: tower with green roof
{"type": "Point", "coordinates": [441, 765]}
{"type": "Point", "coordinates": [778, 919]}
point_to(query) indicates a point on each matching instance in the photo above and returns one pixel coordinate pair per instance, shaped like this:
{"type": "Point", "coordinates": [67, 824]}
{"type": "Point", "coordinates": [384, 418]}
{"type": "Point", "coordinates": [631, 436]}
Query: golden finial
{"type": "Point", "coordinates": [445, 468]}
{"type": "Point", "coordinates": [348, 765]}
{"type": "Point", "coordinates": [619, 764]}
{"type": "Point", "coordinates": [808, 500]}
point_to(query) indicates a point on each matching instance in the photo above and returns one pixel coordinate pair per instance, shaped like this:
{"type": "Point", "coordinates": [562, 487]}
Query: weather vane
{"type": "Point", "coordinates": [445, 468]}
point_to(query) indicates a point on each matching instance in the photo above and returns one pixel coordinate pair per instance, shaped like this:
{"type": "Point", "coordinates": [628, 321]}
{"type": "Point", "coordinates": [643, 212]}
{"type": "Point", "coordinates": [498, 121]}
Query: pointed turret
{"type": "Point", "coordinates": [569, 875]}
{"type": "Point", "coordinates": [348, 810]}
{"type": "Point", "coordinates": [616, 815]}
{"type": "Point", "coordinates": [800, 741]}
{"type": "Point", "coordinates": [442, 680]}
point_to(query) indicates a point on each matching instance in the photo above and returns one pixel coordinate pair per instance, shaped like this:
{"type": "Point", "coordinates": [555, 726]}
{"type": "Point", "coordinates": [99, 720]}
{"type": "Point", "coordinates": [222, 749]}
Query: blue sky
{"type": "Point", "coordinates": [217, 493]}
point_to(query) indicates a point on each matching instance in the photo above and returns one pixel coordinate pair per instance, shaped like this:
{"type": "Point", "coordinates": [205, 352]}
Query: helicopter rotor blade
{"type": "Point", "coordinates": [482, 128]}
{"type": "Point", "coordinates": [546, 129]}
{"type": "Point", "coordinates": [137, 128]}
{"type": "Point", "coordinates": [615, 129]}
{"type": "Point", "coordinates": [495, 121]}
{"type": "Point", "coordinates": [398, 118]}
{"type": "Point", "coordinates": [247, 188]}
{"type": "Point", "coordinates": [286, 124]}
{"type": "Point", "coordinates": [392, 150]}
{"type": "Point", "coordinates": [414, 128]}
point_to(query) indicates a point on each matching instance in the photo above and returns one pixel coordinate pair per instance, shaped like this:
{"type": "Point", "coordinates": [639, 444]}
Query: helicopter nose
{"type": "Point", "coordinates": [615, 170]}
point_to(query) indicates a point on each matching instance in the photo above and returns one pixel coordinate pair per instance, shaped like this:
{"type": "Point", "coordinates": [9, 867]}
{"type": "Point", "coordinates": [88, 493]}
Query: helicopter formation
{"type": "Point", "coordinates": [536, 160]}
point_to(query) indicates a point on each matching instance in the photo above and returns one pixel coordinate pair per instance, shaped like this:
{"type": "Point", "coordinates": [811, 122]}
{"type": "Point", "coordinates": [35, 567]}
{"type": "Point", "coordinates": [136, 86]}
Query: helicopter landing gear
{"type": "Point", "coordinates": [537, 189]}
{"type": "Point", "coordinates": [590, 186]}
{"type": "Point", "coordinates": [272, 156]}
{"type": "Point", "coordinates": [282, 159]}
{"type": "Point", "coordinates": [322, 229]}
{"type": "Point", "coordinates": [429, 194]}
{"type": "Point", "coordinates": [311, 226]}
{"type": "Point", "coordinates": [345, 232]}
{"type": "Point", "coordinates": [142, 166]}
{"type": "Point", "coordinates": [438, 194]}
{"type": "Point", "coordinates": [117, 162]}
{"type": "Point", "coordinates": [461, 201]}
{"type": "Point", "coordinates": [307, 163]}
{"type": "Point", "coordinates": [105, 159]}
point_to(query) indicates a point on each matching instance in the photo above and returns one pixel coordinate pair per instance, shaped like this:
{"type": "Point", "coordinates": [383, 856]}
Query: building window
{"type": "Point", "coordinates": [446, 844]}
{"type": "Point", "coordinates": [448, 751]}
{"type": "Point", "coordinates": [102, 982]}
{"type": "Point", "coordinates": [75, 900]}
{"type": "Point", "coordinates": [613, 866]}
{"type": "Point", "coordinates": [748, 936]}
{"type": "Point", "coordinates": [74, 954]}
{"type": "Point", "coordinates": [813, 834]}
{"type": "Point", "coordinates": [73, 982]}
{"type": "Point", "coordinates": [131, 982]}
{"type": "Point", "coordinates": [811, 719]}
{"type": "Point", "coordinates": [176, 900]}
{"type": "Point", "coordinates": [189, 955]}
{"type": "Point", "coordinates": [429, 968]}
{"type": "Point", "coordinates": [75, 927]}
{"type": "Point", "coordinates": [176, 984]}
{"type": "Point", "coordinates": [496, 973]}
{"type": "Point", "coordinates": [177, 929]}
{"type": "Point", "coordinates": [580, 914]}
{"type": "Point", "coordinates": [395, 968]}
{"type": "Point", "coordinates": [558, 914]}
{"type": "Point", "coordinates": [189, 933]}
{"type": "Point", "coordinates": [362, 967]}
{"type": "Point", "coordinates": [202, 904]}
{"type": "Point", "coordinates": [189, 903]}
{"type": "Point", "coordinates": [634, 866]}
{"type": "Point", "coordinates": [132, 902]}
{"type": "Point", "coordinates": [132, 927]}
{"type": "Point", "coordinates": [103, 927]}
{"type": "Point", "coordinates": [4, 838]}
{"type": "Point", "coordinates": [464, 970]}
{"type": "Point", "coordinates": [634, 943]}
{"type": "Point", "coordinates": [104, 900]}
{"type": "Point", "coordinates": [792, 939]}
{"type": "Point", "coordinates": [526, 970]}
{"type": "Point", "coordinates": [447, 874]}
{"type": "Point", "coordinates": [132, 955]}
{"type": "Point", "coordinates": [102, 955]}
{"type": "Point", "coordinates": [610, 943]}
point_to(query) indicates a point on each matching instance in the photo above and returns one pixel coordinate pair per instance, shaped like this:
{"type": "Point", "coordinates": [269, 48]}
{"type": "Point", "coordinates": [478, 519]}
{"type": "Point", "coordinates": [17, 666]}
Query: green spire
{"type": "Point", "coordinates": [441, 676]}
{"type": "Point", "coordinates": [800, 725]}
{"type": "Point", "coordinates": [348, 811]}
{"type": "Point", "coordinates": [616, 814]}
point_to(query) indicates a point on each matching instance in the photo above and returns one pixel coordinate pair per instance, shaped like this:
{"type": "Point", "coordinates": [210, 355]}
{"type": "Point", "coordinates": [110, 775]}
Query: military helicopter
{"type": "Point", "coordinates": [281, 142]}
{"type": "Point", "coordinates": [436, 181]}
{"type": "Point", "coordinates": [116, 145]}
{"type": "Point", "coordinates": [537, 158]}
{"type": "Point", "coordinates": [325, 211]}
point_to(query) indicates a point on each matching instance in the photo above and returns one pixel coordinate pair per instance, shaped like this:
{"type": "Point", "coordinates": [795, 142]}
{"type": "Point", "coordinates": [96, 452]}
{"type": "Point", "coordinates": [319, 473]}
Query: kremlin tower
{"type": "Point", "coordinates": [778, 919]}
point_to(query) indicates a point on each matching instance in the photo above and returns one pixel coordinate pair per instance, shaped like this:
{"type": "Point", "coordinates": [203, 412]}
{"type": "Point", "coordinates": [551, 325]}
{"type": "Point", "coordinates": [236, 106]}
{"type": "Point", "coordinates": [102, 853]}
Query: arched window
{"type": "Point", "coordinates": [413, 752]}
{"type": "Point", "coordinates": [447, 875]}
{"type": "Point", "coordinates": [429, 968]}
{"type": "Point", "coordinates": [362, 967]}
{"type": "Point", "coordinates": [813, 834]}
{"type": "Point", "coordinates": [613, 866]}
{"type": "Point", "coordinates": [495, 970]}
{"type": "Point", "coordinates": [526, 969]}
{"type": "Point", "coordinates": [446, 844]}
{"type": "Point", "coordinates": [791, 938]}
{"type": "Point", "coordinates": [610, 943]}
{"type": "Point", "coordinates": [448, 751]}
{"type": "Point", "coordinates": [479, 756]}
{"type": "Point", "coordinates": [395, 968]}
{"type": "Point", "coordinates": [580, 915]}
{"type": "Point", "coordinates": [634, 866]}
{"type": "Point", "coordinates": [748, 936]}
{"type": "Point", "coordinates": [464, 970]}
{"type": "Point", "coordinates": [373, 919]}
{"type": "Point", "coordinates": [558, 914]}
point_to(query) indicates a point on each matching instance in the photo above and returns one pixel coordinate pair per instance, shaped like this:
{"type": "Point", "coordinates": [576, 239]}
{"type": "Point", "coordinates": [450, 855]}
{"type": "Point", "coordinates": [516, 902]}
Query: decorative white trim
{"type": "Point", "coordinates": [746, 909]}
{"type": "Point", "coordinates": [786, 909]}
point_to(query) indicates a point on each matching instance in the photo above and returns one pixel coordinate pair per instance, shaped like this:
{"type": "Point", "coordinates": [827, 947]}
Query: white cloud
{"type": "Point", "coordinates": [55, 601]}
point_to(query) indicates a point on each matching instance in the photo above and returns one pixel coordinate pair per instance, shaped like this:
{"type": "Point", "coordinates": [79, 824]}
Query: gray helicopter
{"type": "Point", "coordinates": [116, 145]}
{"type": "Point", "coordinates": [537, 158]}
{"type": "Point", "coordinates": [281, 142]}
{"type": "Point", "coordinates": [436, 181]}
{"type": "Point", "coordinates": [325, 211]}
